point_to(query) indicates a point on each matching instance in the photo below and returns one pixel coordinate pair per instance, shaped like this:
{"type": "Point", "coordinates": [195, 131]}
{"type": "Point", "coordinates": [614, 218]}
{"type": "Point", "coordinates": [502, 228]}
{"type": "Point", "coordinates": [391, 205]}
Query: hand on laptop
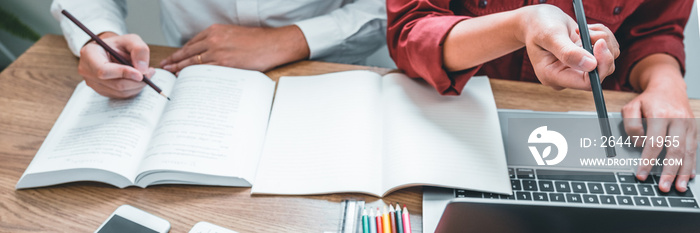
{"type": "Point", "coordinates": [109, 78]}
{"type": "Point", "coordinates": [253, 48]}
{"type": "Point", "coordinates": [664, 103]}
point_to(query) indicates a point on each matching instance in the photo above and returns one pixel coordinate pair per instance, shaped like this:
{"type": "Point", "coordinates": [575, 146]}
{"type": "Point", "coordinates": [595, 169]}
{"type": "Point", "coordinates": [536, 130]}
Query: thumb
{"type": "Point", "coordinates": [138, 51]}
{"type": "Point", "coordinates": [569, 53]}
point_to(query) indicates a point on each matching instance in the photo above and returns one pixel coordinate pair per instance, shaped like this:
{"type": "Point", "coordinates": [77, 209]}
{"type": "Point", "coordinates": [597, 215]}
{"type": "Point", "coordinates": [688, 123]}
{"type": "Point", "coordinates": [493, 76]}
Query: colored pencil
{"type": "Point", "coordinates": [399, 221]}
{"type": "Point", "coordinates": [386, 224]}
{"type": "Point", "coordinates": [372, 222]}
{"type": "Point", "coordinates": [365, 221]}
{"type": "Point", "coordinates": [406, 220]}
{"type": "Point", "coordinates": [392, 216]}
{"type": "Point", "coordinates": [111, 51]}
{"type": "Point", "coordinates": [380, 228]}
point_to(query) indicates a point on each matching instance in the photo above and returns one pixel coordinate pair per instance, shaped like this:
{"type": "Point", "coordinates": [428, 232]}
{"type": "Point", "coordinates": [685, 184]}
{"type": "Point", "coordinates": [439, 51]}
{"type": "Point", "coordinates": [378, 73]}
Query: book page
{"type": "Point", "coordinates": [97, 132]}
{"type": "Point", "coordinates": [215, 123]}
{"type": "Point", "coordinates": [324, 136]}
{"type": "Point", "coordinates": [449, 141]}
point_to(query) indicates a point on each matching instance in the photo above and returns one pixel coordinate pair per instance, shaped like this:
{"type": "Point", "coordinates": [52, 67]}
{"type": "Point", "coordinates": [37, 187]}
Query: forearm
{"type": "Point", "coordinates": [97, 15]}
{"type": "Point", "coordinates": [657, 71]}
{"type": "Point", "coordinates": [478, 40]}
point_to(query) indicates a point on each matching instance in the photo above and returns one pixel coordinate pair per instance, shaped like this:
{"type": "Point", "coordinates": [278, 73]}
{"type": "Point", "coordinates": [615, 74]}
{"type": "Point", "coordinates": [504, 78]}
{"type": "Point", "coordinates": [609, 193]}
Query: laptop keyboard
{"type": "Point", "coordinates": [592, 188]}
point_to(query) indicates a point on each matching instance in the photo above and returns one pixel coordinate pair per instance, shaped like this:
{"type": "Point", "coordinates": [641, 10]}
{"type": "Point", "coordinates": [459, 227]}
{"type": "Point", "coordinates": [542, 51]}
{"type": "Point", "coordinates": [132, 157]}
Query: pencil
{"type": "Point", "coordinates": [111, 51]}
{"type": "Point", "coordinates": [596, 88]}
{"type": "Point", "coordinates": [399, 222]}
{"type": "Point", "coordinates": [392, 216]}
{"type": "Point", "coordinates": [380, 228]}
{"type": "Point", "coordinates": [372, 222]}
{"type": "Point", "coordinates": [365, 221]}
{"type": "Point", "coordinates": [386, 224]}
{"type": "Point", "coordinates": [406, 220]}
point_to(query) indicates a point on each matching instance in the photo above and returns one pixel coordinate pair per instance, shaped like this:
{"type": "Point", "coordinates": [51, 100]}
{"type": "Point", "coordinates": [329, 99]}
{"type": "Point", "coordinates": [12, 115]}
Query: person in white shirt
{"type": "Point", "coordinates": [247, 34]}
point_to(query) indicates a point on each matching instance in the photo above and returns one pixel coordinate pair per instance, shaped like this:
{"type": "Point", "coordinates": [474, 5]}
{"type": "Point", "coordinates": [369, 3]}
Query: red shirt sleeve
{"type": "Point", "coordinates": [416, 30]}
{"type": "Point", "coordinates": [654, 27]}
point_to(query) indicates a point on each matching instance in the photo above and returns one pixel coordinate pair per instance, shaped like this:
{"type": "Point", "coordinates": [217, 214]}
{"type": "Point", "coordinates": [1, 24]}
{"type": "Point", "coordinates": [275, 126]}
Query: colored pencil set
{"type": "Point", "coordinates": [394, 220]}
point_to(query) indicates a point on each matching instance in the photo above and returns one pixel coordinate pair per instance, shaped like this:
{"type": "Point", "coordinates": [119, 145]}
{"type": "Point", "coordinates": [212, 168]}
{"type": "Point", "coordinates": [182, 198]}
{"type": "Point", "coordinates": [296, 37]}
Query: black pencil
{"type": "Point", "coordinates": [596, 88]}
{"type": "Point", "coordinates": [111, 51]}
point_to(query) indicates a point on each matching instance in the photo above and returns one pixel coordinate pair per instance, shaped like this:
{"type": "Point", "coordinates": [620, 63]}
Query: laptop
{"type": "Point", "coordinates": [544, 191]}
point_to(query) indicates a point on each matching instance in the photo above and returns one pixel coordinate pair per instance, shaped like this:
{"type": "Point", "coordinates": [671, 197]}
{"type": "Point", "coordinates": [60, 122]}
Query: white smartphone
{"type": "Point", "coordinates": [205, 227]}
{"type": "Point", "coordinates": [130, 219]}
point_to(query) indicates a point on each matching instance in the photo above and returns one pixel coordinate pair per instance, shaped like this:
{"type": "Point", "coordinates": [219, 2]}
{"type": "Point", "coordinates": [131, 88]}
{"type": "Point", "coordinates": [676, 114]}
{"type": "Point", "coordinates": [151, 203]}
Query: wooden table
{"type": "Point", "coordinates": [35, 88]}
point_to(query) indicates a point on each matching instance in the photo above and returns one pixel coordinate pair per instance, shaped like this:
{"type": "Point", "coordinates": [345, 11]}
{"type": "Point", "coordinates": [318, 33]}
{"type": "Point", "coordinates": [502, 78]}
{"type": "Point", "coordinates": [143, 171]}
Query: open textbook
{"type": "Point", "coordinates": [352, 131]}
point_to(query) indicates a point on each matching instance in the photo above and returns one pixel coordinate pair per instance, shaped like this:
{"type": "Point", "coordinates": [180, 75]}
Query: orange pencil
{"type": "Point", "coordinates": [392, 218]}
{"type": "Point", "coordinates": [379, 222]}
{"type": "Point", "coordinates": [406, 220]}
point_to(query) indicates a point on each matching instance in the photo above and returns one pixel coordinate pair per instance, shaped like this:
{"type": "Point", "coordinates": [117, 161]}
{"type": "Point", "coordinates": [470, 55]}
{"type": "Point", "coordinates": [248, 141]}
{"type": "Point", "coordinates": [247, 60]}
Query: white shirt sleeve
{"type": "Point", "coordinates": [348, 34]}
{"type": "Point", "coordinates": [97, 15]}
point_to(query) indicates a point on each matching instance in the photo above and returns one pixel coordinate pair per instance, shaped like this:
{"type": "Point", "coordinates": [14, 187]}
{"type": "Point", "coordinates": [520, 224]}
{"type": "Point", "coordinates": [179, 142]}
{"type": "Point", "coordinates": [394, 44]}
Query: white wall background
{"type": "Point", "coordinates": [144, 19]}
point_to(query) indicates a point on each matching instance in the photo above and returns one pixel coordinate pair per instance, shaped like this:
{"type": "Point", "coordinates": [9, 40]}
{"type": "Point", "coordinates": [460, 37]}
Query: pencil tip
{"type": "Point", "coordinates": [161, 93]}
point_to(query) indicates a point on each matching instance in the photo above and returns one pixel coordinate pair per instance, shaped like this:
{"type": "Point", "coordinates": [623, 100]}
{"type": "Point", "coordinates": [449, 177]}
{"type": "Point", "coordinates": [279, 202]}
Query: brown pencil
{"type": "Point", "coordinates": [111, 51]}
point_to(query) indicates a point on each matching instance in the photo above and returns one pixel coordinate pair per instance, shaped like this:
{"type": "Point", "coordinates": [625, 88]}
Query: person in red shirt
{"type": "Point", "coordinates": [447, 42]}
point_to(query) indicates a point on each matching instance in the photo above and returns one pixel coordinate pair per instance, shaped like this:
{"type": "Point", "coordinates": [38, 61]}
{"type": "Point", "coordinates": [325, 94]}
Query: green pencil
{"type": "Point", "coordinates": [399, 221]}
{"type": "Point", "coordinates": [365, 221]}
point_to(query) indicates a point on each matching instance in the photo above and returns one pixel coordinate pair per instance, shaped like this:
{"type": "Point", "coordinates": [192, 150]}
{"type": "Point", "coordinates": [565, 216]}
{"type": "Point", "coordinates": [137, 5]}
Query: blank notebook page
{"type": "Point", "coordinates": [448, 141]}
{"type": "Point", "coordinates": [323, 131]}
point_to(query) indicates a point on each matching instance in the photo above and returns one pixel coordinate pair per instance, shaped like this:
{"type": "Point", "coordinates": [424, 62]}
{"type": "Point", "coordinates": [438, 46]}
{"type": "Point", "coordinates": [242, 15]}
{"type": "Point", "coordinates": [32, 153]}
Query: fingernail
{"type": "Point", "coordinates": [684, 184]}
{"type": "Point", "coordinates": [142, 65]}
{"type": "Point", "coordinates": [666, 184]}
{"type": "Point", "coordinates": [587, 63]}
{"type": "Point", "coordinates": [162, 63]}
{"type": "Point", "coordinates": [168, 67]}
{"type": "Point", "coordinates": [135, 77]}
{"type": "Point", "coordinates": [642, 174]}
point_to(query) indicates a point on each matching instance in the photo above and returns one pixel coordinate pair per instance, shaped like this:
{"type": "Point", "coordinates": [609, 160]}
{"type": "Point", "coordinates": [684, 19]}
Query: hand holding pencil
{"type": "Point", "coordinates": [115, 66]}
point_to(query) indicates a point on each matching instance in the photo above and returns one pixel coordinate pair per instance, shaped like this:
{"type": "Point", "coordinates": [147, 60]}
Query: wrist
{"type": "Point", "coordinates": [291, 43]}
{"type": "Point", "coordinates": [657, 71]}
{"type": "Point", "coordinates": [102, 36]}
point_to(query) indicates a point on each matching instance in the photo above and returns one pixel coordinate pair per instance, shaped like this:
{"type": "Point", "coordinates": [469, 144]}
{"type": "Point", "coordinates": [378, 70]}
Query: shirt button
{"type": "Point", "coordinates": [483, 3]}
{"type": "Point", "coordinates": [543, 1]}
{"type": "Point", "coordinates": [618, 10]}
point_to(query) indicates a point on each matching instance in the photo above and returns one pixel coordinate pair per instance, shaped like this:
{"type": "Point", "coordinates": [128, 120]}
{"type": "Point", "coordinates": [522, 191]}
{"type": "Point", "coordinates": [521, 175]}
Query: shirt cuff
{"type": "Point", "coordinates": [425, 50]}
{"type": "Point", "coordinates": [321, 34]}
{"type": "Point", "coordinates": [77, 37]}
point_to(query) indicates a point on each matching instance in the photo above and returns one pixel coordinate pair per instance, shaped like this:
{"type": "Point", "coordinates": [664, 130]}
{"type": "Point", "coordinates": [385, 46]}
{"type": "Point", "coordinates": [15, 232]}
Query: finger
{"type": "Point", "coordinates": [691, 144]}
{"type": "Point", "coordinates": [138, 51]}
{"type": "Point", "coordinates": [571, 78]}
{"type": "Point", "coordinates": [568, 52]}
{"type": "Point", "coordinates": [188, 62]}
{"type": "Point", "coordinates": [151, 72]}
{"type": "Point", "coordinates": [656, 127]}
{"type": "Point", "coordinates": [110, 92]}
{"type": "Point", "coordinates": [99, 66]}
{"type": "Point", "coordinates": [117, 71]}
{"type": "Point", "coordinates": [185, 52]}
{"type": "Point", "coordinates": [632, 120]}
{"type": "Point", "coordinates": [600, 31]}
{"type": "Point", "coordinates": [677, 127]}
{"type": "Point", "coordinates": [605, 58]}
{"type": "Point", "coordinates": [686, 169]}
{"type": "Point", "coordinates": [123, 85]}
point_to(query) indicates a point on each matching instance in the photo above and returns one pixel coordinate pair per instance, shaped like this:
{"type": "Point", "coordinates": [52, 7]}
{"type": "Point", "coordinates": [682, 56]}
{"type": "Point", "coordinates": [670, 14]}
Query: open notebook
{"type": "Point", "coordinates": [352, 131]}
{"type": "Point", "coordinates": [360, 132]}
